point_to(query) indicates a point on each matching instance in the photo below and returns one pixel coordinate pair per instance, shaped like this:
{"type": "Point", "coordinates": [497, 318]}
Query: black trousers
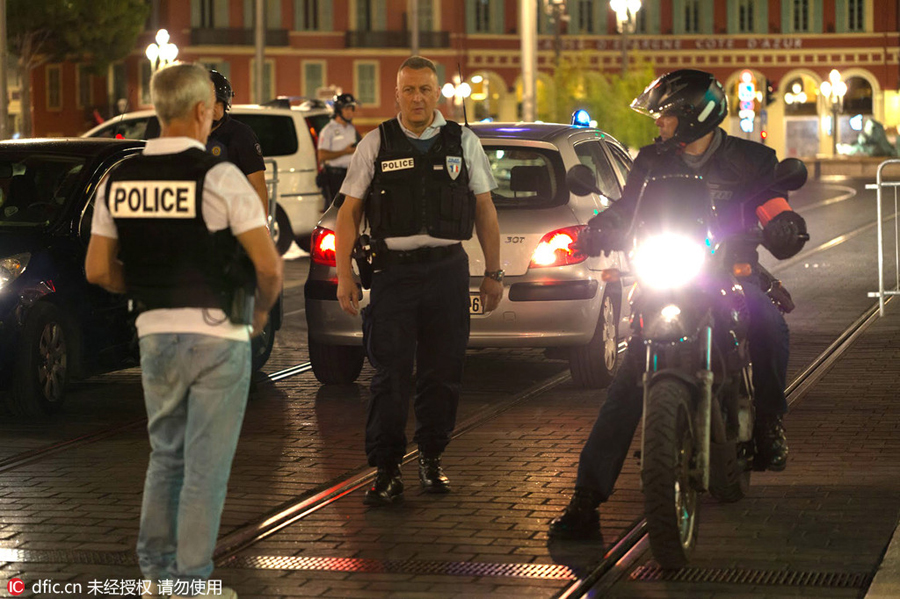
{"type": "Point", "coordinates": [607, 446]}
{"type": "Point", "coordinates": [334, 178]}
{"type": "Point", "coordinates": [417, 314]}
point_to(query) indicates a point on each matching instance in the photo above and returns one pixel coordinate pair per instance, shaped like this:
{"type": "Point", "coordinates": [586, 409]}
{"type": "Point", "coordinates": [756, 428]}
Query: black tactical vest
{"type": "Point", "coordinates": [171, 259]}
{"type": "Point", "coordinates": [414, 192]}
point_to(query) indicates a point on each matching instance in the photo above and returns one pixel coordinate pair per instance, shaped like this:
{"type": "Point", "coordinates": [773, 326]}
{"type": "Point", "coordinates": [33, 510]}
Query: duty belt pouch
{"type": "Point", "coordinates": [240, 284]}
{"type": "Point", "coordinates": [362, 254]}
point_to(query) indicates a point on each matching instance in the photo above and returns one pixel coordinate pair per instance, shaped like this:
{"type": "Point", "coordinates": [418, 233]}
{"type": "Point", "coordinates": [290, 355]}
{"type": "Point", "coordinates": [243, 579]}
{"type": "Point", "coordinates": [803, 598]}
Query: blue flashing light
{"type": "Point", "coordinates": [581, 118]}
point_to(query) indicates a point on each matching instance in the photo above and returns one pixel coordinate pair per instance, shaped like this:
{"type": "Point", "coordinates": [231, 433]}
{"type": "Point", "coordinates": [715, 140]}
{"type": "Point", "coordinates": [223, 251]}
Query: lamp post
{"type": "Point", "coordinates": [833, 91]}
{"type": "Point", "coordinates": [162, 53]}
{"type": "Point", "coordinates": [626, 19]}
{"type": "Point", "coordinates": [457, 91]}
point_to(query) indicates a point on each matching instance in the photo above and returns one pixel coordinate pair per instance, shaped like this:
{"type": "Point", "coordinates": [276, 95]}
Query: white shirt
{"type": "Point", "coordinates": [362, 170]}
{"type": "Point", "coordinates": [335, 137]}
{"type": "Point", "coordinates": [229, 201]}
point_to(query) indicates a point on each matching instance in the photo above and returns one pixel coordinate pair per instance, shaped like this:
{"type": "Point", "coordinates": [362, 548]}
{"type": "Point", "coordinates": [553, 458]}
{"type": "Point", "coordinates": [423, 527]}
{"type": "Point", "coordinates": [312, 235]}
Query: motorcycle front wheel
{"type": "Point", "coordinates": [671, 502]}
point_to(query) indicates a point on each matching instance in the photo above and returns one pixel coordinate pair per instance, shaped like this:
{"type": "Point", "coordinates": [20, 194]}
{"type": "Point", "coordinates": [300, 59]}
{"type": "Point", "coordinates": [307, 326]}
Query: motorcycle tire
{"type": "Point", "coordinates": [729, 477]}
{"type": "Point", "coordinates": [671, 501]}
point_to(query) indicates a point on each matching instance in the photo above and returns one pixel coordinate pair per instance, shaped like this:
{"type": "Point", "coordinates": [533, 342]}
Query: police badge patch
{"type": "Point", "coordinates": [216, 150]}
{"type": "Point", "coordinates": [454, 165]}
{"type": "Point", "coordinates": [258, 149]}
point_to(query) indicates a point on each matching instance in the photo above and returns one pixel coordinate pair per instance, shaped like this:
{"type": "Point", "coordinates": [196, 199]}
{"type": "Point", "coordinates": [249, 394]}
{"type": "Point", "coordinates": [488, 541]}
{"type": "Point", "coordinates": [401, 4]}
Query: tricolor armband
{"type": "Point", "coordinates": [771, 209]}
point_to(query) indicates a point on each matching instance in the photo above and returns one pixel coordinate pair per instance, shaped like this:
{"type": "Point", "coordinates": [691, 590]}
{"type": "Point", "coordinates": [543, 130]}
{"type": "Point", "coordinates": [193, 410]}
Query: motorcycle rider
{"type": "Point", "coordinates": [688, 106]}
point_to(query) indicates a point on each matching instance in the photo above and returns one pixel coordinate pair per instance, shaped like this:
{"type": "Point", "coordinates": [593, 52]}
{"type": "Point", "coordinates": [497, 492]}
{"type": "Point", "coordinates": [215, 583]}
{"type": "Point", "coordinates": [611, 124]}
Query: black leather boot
{"type": "Point", "coordinates": [580, 520]}
{"type": "Point", "coordinates": [387, 488]}
{"type": "Point", "coordinates": [431, 475]}
{"type": "Point", "coordinates": [771, 444]}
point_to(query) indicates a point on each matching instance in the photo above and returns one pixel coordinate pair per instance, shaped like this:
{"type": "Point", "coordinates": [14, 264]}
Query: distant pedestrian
{"type": "Point", "coordinates": [189, 251]}
{"type": "Point", "coordinates": [424, 184]}
{"type": "Point", "coordinates": [337, 143]}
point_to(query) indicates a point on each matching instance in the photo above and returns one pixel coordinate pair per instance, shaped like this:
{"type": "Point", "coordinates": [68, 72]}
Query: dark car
{"type": "Point", "coordinates": [54, 325]}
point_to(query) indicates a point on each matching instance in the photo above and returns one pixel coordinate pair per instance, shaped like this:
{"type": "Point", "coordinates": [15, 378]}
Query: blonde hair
{"type": "Point", "coordinates": [175, 90]}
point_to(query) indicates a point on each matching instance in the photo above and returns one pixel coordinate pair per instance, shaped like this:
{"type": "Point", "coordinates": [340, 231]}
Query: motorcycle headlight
{"type": "Point", "coordinates": [668, 261]}
{"type": "Point", "coordinates": [12, 267]}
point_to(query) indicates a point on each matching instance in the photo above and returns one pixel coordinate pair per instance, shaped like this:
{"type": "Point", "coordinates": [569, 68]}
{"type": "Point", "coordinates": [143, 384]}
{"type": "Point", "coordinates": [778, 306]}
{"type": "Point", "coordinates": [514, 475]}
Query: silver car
{"type": "Point", "coordinates": [553, 296]}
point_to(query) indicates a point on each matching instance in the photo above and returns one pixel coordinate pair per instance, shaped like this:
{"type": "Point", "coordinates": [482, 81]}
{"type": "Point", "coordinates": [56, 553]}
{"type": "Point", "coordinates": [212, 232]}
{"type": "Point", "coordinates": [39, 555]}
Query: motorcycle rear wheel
{"type": "Point", "coordinates": [671, 502]}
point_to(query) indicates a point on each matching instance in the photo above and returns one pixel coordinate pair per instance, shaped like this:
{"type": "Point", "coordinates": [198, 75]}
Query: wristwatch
{"type": "Point", "coordinates": [497, 275]}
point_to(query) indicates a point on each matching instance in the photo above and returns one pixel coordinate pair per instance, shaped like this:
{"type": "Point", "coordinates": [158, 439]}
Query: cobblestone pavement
{"type": "Point", "coordinates": [833, 510]}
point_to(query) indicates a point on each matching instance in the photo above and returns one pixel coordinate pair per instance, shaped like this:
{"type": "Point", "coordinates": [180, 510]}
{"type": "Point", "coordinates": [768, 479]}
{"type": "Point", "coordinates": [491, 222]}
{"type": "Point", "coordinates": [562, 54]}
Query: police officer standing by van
{"type": "Point", "coordinates": [337, 142]}
{"type": "Point", "coordinates": [192, 240]}
{"type": "Point", "coordinates": [423, 184]}
{"type": "Point", "coordinates": [235, 141]}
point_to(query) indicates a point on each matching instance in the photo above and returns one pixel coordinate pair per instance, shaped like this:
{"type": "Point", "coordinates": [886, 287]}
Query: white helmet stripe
{"type": "Point", "coordinates": [706, 111]}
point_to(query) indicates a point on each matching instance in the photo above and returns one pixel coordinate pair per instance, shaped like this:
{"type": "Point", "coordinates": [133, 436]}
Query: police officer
{"type": "Point", "coordinates": [423, 183]}
{"type": "Point", "coordinates": [235, 141]}
{"type": "Point", "coordinates": [337, 142]}
{"type": "Point", "coordinates": [688, 106]}
{"type": "Point", "coordinates": [178, 217]}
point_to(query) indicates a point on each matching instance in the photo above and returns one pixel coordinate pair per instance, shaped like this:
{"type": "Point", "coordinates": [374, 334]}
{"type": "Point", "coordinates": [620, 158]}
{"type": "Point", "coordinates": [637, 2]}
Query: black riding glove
{"type": "Point", "coordinates": [785, 235]}
{"type": "Point", "coordinates": [593, 242]}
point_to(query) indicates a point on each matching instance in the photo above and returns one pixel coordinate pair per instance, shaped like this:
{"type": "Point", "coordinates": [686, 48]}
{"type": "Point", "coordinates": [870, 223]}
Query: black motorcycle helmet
{"type": "Point", "coordinates": [342, 101]}
{"type": "Point", "coordinates": [224, 93]}
{"type": "Point", "coordinates": [695, 97]}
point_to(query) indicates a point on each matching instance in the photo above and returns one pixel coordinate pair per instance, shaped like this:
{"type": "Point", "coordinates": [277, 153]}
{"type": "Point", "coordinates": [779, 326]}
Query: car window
{"type": "Point", "coordinates": [591, 154]}
{"type": "Point", "coordinates": [316, 123]}
{"type": "Point", "coordinates": [526, 177]}
{"type": "Point", "coordinates": [276, 133]}
{"type": "Point", "coordinates": [35, 189]}
{"type": "Point", "coordinates": [621, 163]}
{"type": "Point", "coordinates": [134, 128]}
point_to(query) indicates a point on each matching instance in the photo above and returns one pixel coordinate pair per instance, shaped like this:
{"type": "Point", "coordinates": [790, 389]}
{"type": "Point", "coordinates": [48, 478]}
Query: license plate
{"type": "Point", "coordinates": [475, 305]}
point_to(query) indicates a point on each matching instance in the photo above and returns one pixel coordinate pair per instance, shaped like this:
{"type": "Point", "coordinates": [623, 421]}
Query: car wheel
{"type": "Point", "coordinates": [336, 364]}
{"type": "Point", "coordinates": [283, 236]}
{"type": "Point", "coordinates": [42, 366]}
{"type": "Point", "coordinates": [594, 365]}
{"type": "Point", "coordinates": [261, 347]}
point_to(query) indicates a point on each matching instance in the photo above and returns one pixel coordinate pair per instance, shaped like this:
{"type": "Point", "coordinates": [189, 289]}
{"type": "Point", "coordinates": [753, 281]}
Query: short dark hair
{"type": "Point", "coordinates": [417, 62]}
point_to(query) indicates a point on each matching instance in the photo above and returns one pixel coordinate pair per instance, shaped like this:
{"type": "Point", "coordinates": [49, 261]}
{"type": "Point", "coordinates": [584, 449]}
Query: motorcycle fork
{"type": "Point", "coordinates": [703, 418]}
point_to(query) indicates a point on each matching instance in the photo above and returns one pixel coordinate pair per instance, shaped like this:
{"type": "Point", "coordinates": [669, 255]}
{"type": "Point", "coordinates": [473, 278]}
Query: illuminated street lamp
{"type": "Point", "coordinates": [162, 53]}
{"type": "Point", "coordinates": [457, 91]}
{"type": "Point", "coordinates": [626, 19]}
{"type": "Point", "coordinates": [833, 91]}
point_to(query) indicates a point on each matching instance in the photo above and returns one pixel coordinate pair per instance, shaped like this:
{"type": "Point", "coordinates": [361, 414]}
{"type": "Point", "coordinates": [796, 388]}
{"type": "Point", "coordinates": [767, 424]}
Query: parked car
{"type": "Point", "coordinates": [554, 297]}
{"type": "Point", "coordinates": [54, 325]}
{"type": "Point", "coordinates": [288, 135]}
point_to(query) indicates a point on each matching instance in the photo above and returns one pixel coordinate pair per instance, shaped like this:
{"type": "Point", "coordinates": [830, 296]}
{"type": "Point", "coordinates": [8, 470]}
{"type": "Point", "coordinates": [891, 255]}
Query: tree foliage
{"type": "Point", "coordinates": [93, 31]}
{"type": "Point", "coordinates": [606, 96]}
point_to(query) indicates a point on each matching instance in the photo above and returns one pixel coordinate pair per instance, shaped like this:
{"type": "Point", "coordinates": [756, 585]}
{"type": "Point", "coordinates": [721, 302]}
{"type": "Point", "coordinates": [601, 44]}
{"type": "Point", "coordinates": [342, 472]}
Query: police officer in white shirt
{"type": "Point", "coordinates": [168, 229]}
{"type": "Point", "coordinates": [337, 142]}
{"type": "Point", "coordinates": [424, 184]}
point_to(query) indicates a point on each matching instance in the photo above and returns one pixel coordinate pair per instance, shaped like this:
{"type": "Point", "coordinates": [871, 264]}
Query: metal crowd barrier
{"type": "Point", "coordinates": [880, 186]}
{"type": "Point", "coordinates": [272, 186]}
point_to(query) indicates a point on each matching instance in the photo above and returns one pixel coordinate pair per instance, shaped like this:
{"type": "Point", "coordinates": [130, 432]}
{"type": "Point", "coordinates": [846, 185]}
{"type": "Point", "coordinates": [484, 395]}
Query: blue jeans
{"type": "Point", "coordinates": [195, 390]}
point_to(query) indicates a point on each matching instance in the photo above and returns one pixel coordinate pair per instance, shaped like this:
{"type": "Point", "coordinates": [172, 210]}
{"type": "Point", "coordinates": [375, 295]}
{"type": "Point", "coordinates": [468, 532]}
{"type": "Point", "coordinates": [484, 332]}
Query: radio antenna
{"type": "Point", "coordinates": [465, 117]}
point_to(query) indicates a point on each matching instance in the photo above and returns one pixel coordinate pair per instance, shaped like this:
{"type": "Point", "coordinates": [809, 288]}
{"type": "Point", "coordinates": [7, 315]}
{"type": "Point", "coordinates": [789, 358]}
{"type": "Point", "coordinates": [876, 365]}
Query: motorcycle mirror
{"type": "Point", "coordinates": [790, 174]}
{"type": "Point", "coordinates": [581, 181]}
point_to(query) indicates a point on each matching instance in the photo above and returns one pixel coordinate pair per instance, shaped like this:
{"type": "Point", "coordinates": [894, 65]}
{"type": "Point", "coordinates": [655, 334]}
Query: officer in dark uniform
{"type": "Point", "coordinates": [337, 142]}
{"type": "Point", "coordinates": [424, 184]}
{"type": "Point", "coordinates": [193, 245]}
{"type": "Point", "coordinates": [236, 142]}
{"type": "Point", "coordinates": [688, 106]}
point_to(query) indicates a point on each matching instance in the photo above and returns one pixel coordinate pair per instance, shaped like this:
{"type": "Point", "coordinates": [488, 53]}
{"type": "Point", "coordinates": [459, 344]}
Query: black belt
{"type": "Point", "coordinates": [419, 255]}
{"type": "Point", "coordinates": [341, 169]}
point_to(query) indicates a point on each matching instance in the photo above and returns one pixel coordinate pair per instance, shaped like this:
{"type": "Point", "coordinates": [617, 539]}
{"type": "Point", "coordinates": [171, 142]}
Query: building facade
{"type": "Point", "coordinates": [772, 56]}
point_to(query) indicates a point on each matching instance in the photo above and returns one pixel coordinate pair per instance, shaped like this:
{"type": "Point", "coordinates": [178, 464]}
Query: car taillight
{"type": "Point", "coordinates": [323, 246]}
{"type": "Point", "coordinates": [555, 248]}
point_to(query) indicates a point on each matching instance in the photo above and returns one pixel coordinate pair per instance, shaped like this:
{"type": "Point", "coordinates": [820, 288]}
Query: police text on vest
{"type": "Point", "coordinates": [153, 199]}
{"type": "Point", "coordinates": [397, 165]}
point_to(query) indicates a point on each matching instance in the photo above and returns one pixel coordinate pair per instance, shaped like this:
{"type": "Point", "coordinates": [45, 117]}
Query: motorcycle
{"type": "Point", "coordinates": [689, 313]}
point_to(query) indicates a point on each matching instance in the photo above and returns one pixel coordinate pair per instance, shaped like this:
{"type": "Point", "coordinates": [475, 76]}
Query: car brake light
{"type": "Point", "coordinates": [555, 248]}
{"type": "Point", "coordinates": [323, 247]}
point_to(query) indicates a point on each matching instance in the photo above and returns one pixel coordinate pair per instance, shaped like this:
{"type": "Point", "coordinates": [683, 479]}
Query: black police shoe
{"type": "Point", "coordinates": [771, 445]}
{"type": "Point", "coordinates": [580, 520]}
{"type": "Point", "coordinates": [387, 488]}
{"type": "Point", "coordinates": [431, 475]}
